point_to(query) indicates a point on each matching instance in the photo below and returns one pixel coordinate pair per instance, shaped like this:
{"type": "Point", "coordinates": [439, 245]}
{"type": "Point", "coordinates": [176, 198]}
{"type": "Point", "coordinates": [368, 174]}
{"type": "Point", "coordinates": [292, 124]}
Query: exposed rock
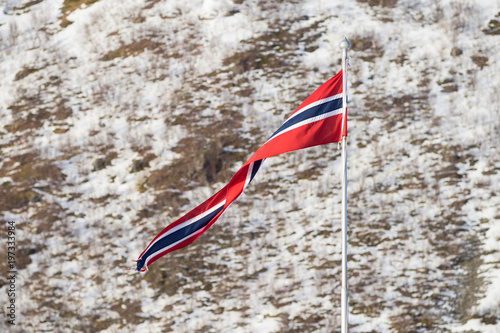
{"type": "Point", "coordinates": [99, 164]}
{"type": "Point", "coordinates": [137, 165]}
{"type": "Point", "coordinates": [455, 52]}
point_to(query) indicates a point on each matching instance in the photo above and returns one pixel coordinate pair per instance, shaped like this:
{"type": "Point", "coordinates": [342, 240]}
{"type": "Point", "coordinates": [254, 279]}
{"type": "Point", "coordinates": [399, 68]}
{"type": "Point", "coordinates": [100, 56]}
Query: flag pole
{"type": "Point", "coordinates": [344, 46]}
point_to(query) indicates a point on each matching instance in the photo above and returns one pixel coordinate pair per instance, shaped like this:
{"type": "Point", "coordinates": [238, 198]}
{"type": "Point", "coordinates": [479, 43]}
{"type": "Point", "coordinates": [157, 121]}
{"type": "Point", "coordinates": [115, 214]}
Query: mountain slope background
{"type": "Point", "coordinates": [119, 116]}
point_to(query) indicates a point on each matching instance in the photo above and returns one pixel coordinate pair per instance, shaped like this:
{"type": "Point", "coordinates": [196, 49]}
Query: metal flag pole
{"type": "Point", "coordinates": [344, 46]}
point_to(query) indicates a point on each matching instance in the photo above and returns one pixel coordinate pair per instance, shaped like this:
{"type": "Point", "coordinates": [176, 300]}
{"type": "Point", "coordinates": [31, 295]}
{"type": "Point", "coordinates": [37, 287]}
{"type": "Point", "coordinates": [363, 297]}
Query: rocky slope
{"type": "Point", "coordinates": [119, 116]}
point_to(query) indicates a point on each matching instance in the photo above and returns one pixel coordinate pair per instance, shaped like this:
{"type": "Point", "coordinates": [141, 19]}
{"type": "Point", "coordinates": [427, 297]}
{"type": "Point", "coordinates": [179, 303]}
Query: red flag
{"type": "Point", "coordinates": [318, 120]}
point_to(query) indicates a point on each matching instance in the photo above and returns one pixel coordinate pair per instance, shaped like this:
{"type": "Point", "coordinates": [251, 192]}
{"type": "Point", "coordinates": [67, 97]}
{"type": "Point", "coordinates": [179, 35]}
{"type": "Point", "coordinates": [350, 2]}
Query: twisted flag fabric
{"type": "Point", "coordinates": [318, 120]}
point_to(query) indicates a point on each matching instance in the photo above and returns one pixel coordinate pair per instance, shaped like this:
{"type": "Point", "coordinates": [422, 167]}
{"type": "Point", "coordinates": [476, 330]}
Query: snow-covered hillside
{"type": "Point", "coordinates": [116, 117]}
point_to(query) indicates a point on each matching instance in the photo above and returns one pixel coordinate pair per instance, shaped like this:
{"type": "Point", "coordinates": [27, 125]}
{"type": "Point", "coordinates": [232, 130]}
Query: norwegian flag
{"type": "Point", "coordinates": [318, 120]}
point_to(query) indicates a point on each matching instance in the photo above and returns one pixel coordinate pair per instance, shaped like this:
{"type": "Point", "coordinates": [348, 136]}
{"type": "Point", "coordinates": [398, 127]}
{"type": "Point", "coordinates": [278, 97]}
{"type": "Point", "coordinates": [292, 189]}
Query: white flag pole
{"type": "Point", "coordinates": [344, 46]}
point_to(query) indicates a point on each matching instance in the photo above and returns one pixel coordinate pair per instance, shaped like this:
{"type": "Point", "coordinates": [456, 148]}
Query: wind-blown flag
{"type": "Point", "coordinates": [318, 120]}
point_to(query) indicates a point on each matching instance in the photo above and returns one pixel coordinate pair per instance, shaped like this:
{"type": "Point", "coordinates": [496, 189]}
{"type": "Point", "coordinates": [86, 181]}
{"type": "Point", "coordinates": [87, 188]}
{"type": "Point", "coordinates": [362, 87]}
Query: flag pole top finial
{"type": "Point", "coordinates": [344, 44]}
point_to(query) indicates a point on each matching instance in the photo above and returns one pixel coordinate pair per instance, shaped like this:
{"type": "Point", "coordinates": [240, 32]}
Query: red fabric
{"type": "Point", "coordinates": [319, 132]}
